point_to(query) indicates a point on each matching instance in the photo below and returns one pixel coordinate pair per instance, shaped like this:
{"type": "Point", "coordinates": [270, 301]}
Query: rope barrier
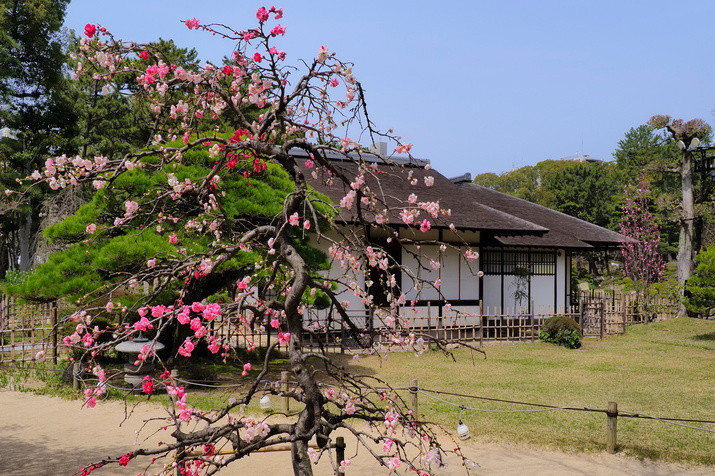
{"type": "Point", "coordinates": [429, 393]}
{"type": "Point", "coordinates": [486, 410]}
{"type": "Point", "coordinates": [553, 407]}
{"type": "Point", "coordinates": [546, 408]}
{"type": "Point", "coordinates": [670, 421]}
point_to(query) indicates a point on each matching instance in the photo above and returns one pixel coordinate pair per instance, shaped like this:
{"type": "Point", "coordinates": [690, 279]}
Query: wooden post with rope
{"type": "Point", "coordinates": [611, 427]}
{"type": "Point", "coordinates": [339, 453]}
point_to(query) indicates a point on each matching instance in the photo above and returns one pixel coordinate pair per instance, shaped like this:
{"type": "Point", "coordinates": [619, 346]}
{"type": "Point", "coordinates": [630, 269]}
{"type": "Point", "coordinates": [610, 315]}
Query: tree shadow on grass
{"type": "Point", "coordinates": [708, 336]}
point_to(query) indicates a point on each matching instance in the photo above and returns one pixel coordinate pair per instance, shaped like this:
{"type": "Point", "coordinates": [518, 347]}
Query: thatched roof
{"type": "Point", "coordinates": [508, 220]}
{"type": "Point", "coordinates": [563, 230]}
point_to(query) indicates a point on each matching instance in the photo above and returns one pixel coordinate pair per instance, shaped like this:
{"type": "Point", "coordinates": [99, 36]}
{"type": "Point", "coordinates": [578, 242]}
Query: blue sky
{"type": "Point", "coordinates": [478, 86]}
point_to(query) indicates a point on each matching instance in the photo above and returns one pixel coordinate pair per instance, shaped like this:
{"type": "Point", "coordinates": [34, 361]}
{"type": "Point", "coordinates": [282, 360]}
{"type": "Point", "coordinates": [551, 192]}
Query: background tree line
{"type": "Point", "coordinates": [45, 112]}
{"type": "Point", "coordinates": [594, 190]}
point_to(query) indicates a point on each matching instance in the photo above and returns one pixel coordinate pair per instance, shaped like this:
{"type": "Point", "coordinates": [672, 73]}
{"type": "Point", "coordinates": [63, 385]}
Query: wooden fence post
{"type": "Point", "coordinates": [602, 308]}
{"type": "Point", "coordinates": [55, 331]}
{"type": "Point", "coordinates": [481, 323]}
{"type": "Point", "coordinates": [284, 388]}
{"type": "Point", "coordinates": [531, 318]}
{"type": "Point", "coordinates": [339, 453]}
{"type": "Point", "coordinates": [413, 399]}
{"type": "Point", "coordinates": [611, 427]}
{"type": "Point", "coordinates": [625, 313]}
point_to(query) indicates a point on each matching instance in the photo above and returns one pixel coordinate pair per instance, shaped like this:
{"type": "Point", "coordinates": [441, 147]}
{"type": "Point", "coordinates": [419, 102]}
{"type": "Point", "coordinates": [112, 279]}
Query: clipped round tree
{"type": "Point", "coordinates": [700, 288]}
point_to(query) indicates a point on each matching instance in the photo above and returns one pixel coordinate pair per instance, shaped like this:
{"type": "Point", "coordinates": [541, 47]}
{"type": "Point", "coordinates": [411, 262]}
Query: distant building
{"type": "Point", "coordinates": [524, 249]}
{"type": "Point", "coordinates": [581, 158]}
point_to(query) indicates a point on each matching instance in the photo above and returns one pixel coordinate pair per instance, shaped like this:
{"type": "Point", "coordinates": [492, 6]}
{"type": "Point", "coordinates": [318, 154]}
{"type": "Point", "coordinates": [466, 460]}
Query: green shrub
{"type": "Point", "coordinates": [561, 330]}
{"type": "Point", "coordinates": [700, 288]}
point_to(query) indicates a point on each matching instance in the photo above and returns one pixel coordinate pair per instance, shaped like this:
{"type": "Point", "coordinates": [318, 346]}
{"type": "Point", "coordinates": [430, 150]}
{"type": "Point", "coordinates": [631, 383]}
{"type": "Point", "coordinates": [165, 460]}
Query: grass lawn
{"type": "Point", "coordinates": [664, 369]}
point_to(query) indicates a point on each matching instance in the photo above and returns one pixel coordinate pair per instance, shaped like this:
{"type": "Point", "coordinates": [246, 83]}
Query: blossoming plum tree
{"type": "Point", "coordinates": [642, 261]}
{"type": "Point", "coordinates": [221, 133]}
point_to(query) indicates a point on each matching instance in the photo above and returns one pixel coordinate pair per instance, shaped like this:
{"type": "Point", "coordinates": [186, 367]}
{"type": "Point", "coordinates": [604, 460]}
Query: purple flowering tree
{"type": "Point", "coordinates": [642, 261]}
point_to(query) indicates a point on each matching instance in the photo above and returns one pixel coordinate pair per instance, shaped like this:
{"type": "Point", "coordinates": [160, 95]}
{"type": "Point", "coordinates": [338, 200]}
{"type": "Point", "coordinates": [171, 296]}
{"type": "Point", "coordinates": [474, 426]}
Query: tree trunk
{"type": "Point", "coordinates": [312, 396]}
{"type": "Point", "coordinates": [4, 255]}
{"type": "Point", "coordinates": [687, 221]}
{"type": "Point", "coordinates": [25, 237]}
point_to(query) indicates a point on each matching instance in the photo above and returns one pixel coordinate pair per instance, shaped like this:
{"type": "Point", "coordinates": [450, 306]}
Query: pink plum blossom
{"type": "Point", "coordinates": [90, 30]}
{"type": "Point", "coordinates": [278, 30]}
{"type": "Point", "coordinates": [262, 14]}
{"type": "Point", "coordinates": [278, 12]}
{"type": "Point", "coordinates": [186, 348]}
{"type": "Point", "coordinates": [191, 23]}
{"type": "Point", "coordinates": [323, 54]}
{"type": "Point", "coordinates": [148, 385]}
{"type": "Point", "coordinates": [143, 324]}
{"type": "Point", "coordinates": [131, 207]}
{"type": "Point", "coordinates": [402, 148]}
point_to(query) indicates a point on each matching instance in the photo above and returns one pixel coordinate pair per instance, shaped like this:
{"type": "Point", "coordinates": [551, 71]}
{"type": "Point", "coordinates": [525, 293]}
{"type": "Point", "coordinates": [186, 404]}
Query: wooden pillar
{"type": "Point", "coordinates": [625, 312]}
{"type": "Point", "coordinates": [611, 427]}
{"type": "Point", "coordinates": [481, 322]}
{"type": "Point", "coordinates": [339, 453]}
{"type": "Point", "coordinates": [413, 398]}
{"type": "Point", "coordinates": [55, 331]}
{"type": "Point", "coordinates": [531, 317]}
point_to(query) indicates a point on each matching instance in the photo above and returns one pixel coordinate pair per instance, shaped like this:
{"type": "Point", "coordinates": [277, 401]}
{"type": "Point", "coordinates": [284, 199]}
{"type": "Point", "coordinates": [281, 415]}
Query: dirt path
{"type": "Point", "coordinates": [48, 436]}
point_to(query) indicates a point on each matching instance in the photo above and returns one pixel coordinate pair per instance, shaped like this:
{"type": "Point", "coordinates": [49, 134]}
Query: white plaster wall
{"type": "Point", "coordinates": [450, 273]}
{"type": "Point", "coordinates": [458, 276]}
{"type": "Point", "coordinates": [344, 294]}
{"type": "Point", "coordinates": [542, 292]}
{"type": "Point", "coordinates": [469, 282]}
{"type": "Point", "coordinates": [411, 257]}
{"type": "Point", "coordinates": [510, 288]}
{"type": "Point", "coordinates": [492, 293]}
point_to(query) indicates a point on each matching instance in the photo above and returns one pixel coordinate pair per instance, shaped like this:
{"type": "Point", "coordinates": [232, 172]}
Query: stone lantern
{"type": "Point", "coordinates": [136, 373]}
